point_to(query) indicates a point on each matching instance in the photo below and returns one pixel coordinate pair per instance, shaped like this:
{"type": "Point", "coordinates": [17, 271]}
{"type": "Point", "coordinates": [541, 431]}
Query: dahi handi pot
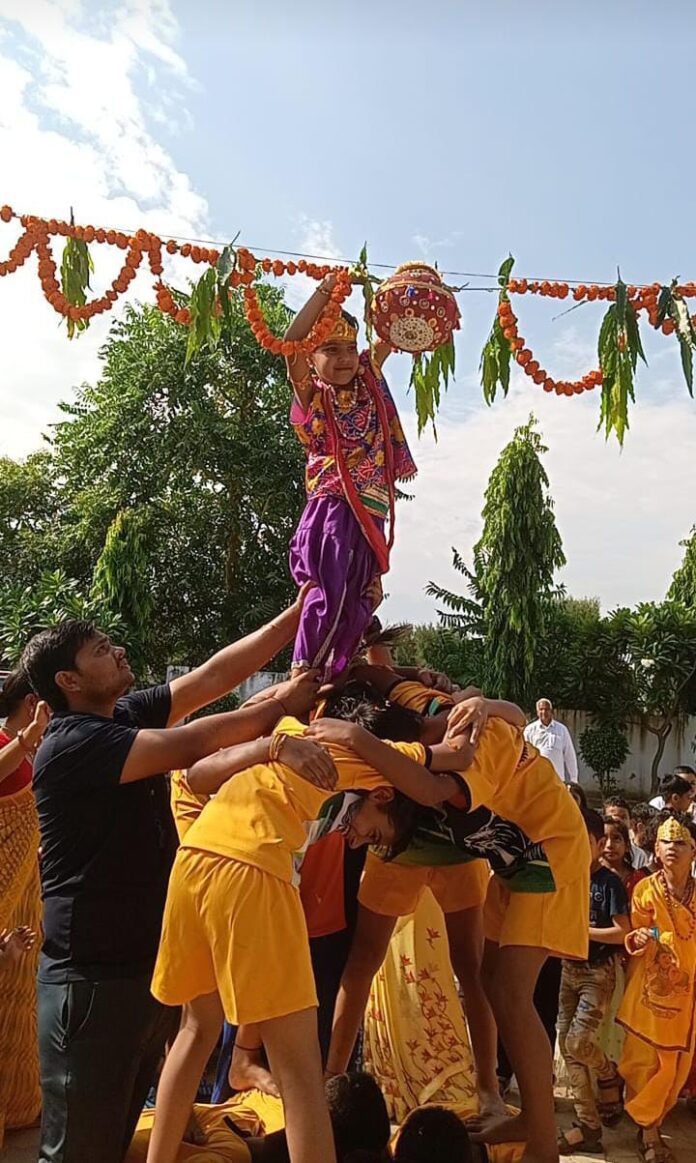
{"type": "Point", "coordinates": [414, 310]}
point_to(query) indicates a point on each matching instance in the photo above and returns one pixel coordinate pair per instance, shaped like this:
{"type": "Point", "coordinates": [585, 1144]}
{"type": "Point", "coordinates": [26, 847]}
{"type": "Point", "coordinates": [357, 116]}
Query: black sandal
{"type": "Point", "coordinates": [589, 1144]}
{"type": "Point", "coordinates": [610, 1113]}
{"type": "Point", "coordinates": [655, 1152]}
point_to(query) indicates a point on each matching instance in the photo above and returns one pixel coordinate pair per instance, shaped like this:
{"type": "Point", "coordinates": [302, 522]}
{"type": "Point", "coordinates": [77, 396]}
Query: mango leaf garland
{"type": "Point", "coordinates": [430, 373]}
{"type": "Point", "coordinates": [671, 304]}
{"type": "Point", "coordinates": [204, 328]}
{"type": "Point", "coordinates": [496, 355]}
{"type": "Point", "coordinates": [75, 269]}
{"type": "Point", "coordinates": [226, 264]}
{"type": "Point", "coordinates": [619, 348]}
{"type": "Point", "coordinates": [360, 273]}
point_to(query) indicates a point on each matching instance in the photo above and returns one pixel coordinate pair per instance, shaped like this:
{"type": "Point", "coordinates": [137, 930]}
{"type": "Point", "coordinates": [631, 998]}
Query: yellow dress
{"type": "Point", "coordinates": [657, 1011]}
{"type": "Point", "coordinates": [416, 1040]}
{"type": "Point", "coordinates": [252, 1113]}
{"type": "Point", "coordinates": [20, 904]}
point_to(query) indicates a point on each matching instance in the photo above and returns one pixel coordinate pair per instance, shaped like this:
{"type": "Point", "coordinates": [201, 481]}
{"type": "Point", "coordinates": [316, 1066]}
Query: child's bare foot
{"type": "Point", "coordinates": [491, 1105]}
{"type": "Point", "coordinates": [248, 1072]}
{"type": "Point", "coordinates": [498, 1129]}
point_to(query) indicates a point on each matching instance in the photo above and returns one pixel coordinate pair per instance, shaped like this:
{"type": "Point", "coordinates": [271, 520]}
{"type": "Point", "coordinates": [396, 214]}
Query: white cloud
{"type": "Point", "coordinates": [621, 513]}
{"type": "Point", "coordinates": [78, 96]}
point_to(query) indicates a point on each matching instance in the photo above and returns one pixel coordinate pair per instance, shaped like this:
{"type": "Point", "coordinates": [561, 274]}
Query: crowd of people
{"type": "Point", "coordinates": [285, 889]}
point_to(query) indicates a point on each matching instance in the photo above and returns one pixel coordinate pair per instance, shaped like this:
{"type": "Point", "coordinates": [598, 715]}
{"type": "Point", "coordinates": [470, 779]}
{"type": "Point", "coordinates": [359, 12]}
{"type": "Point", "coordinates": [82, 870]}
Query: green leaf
{"type": "Point", "coordinates": [75, 269]}
{"type": "Point", "coordinates": [684, 330]}
{"type": "Point", "coordinates": [226, 263]}
{"type": "Point", "coordinates": [633, 335]}
{"type": "Point", "coordinates": [505, 271]}
{"type": "Point", "coordinates": [663, 304]}
{"type": "Point", "coordinates": [204, 328]}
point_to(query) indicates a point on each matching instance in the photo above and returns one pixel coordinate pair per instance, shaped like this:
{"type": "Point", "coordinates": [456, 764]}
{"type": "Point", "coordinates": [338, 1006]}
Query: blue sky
{"type": "Point", "coordinates": [451, 131]}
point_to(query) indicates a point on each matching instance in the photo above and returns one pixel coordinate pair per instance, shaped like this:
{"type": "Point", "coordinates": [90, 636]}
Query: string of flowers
{"type": "Point", "coordinates": [229, 269]}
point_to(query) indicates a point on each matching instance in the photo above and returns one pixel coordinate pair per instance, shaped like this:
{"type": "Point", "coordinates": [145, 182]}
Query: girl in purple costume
{"type": "Point", "coordinates": [345, 417]}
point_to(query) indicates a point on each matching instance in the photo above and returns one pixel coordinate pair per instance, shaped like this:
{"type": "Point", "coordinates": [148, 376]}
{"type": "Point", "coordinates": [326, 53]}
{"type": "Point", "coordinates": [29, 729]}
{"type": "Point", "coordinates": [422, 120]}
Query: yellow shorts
{"type": "Point", "coordinates": [394, 890]}
{"type": "Point", "coordinates": [557, 921]}
{"type": "Point", "coordinates": [231, 928]}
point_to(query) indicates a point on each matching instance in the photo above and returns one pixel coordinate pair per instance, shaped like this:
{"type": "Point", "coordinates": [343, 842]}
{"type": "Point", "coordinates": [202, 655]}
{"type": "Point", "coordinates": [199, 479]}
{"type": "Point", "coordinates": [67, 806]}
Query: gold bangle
{"type": "Point", "coordinates": [276, 746]}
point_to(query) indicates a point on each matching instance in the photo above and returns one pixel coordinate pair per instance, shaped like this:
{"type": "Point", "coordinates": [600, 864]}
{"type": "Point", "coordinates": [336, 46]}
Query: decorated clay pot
{"type": "Point", "coordinates": [414, 310]}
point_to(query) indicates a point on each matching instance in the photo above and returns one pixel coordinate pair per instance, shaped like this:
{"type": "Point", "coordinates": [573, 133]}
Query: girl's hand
{"type": "Point", "coordinates": [311, 761]}
{"type": "Point", "coordinates": [472, 714]}
{"type": "Point", "coordinates": [436, 681]}
{"type": "Point", "coordinates": [298, 696]}
{"type": "Point", "coordinates": [42, 717]}
{"type": "Point", "coordinates": [640, 938]}
{"type": "Point", "coordinates": [335, 731]}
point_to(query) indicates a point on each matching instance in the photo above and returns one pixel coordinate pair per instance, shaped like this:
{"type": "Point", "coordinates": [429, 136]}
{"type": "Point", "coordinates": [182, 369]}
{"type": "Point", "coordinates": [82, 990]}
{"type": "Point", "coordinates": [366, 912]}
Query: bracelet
{"type": "Point", "coordinates": [323, 291]}
{"type": "Point", "coordinates": [276, 746]}
{"type": "Point", "coordinates": [26, 747]}
{"type": "Point", "coordinates": [281, 704]}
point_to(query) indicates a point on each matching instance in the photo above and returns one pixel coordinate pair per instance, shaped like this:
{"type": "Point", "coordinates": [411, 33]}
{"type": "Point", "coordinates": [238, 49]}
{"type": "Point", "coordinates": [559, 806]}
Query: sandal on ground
{"type": "Point", "coordinates": [656, 1151]}
{"type": "Point", "coordinates": [589, 1142]}
{"type": "Point", "coordinates": [610, 1112]}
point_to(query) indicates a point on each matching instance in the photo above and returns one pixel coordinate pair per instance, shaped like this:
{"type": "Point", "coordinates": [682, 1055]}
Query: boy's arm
{"type": "Point", "coordinates": [616, 935]}
{"type": "Point", "coordinates": [298, 367]}
{"type": "Point", "coordinates": [425, 786]}
{"type": "Point", "coordinates": [305, 758]}
{"type": "Point", "coordinates": [231, 665]}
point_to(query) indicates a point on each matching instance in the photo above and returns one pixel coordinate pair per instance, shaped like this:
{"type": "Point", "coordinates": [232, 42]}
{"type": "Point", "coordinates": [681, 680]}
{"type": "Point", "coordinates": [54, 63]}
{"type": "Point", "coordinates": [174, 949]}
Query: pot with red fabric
{"type": "Point", "coordinates": [414, 310]}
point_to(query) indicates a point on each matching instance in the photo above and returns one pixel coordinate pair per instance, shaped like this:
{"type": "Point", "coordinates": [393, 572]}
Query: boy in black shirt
{"type": "Point", "coordinates": [587, 988]}
{"type": "Point", "coordinates": [108, 841]}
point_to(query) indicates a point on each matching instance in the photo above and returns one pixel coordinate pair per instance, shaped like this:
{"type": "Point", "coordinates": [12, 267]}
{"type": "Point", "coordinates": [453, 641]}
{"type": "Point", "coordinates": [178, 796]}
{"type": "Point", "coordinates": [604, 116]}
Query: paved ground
{"type": "Point", "coordinates": [680, 1132]}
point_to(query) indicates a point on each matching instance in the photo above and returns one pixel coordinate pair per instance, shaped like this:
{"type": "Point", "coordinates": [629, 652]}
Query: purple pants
{"type": "Point", "coordinates": [330, 549]}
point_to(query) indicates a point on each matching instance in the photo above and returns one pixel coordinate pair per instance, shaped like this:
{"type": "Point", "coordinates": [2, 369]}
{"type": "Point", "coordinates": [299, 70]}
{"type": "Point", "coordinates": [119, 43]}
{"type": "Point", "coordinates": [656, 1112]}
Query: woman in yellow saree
{"type": "Point", "coordinates": [20, 902]}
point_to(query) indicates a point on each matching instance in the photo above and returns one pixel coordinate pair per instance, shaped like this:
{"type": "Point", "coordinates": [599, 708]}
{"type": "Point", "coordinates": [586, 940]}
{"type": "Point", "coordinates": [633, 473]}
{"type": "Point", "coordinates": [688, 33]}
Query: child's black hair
{"type": "Point", "coordinates": [643, 813]}
{"type": "Point", "coordinates": [612, 822]}
{"type": "Point", "coordinates": [578, 794]}
{"type": "Point", "coordinates": [674, 785]}
{"type": "Point", "coordinates": [359, 703]}
{"type": "Point", "coordinates": [433, 1135]}
{"type": "Point", "coordinates": [14, 691]}
{"type": "Point", "coordinates": [684, 769]}
{"type": "Point", "coordinates": [359, 1115]}
{"type": "Point", "coordinates": [594, 823]}
{"type": "Point", "coordinates": [617, 802]}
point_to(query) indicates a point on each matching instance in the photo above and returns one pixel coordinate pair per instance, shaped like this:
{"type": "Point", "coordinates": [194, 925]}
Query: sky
{"type": "Point", "coordinates": [454, 132]}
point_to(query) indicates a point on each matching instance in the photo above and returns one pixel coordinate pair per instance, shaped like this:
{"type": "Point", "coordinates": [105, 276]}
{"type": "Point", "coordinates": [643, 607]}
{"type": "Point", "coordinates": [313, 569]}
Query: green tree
{"type": "Point", "coordinates": [653, 651]}
{"type": "Point", "coordinates": [604, 749]}
{"type": "Point", "coordinates": [53, 598]}
{"type": "Point", "coordinates": [194, 464]}
{"type": "Point", "coordinates": [513, 575]}
{"type": "Point", "coordinates": [683, 587]}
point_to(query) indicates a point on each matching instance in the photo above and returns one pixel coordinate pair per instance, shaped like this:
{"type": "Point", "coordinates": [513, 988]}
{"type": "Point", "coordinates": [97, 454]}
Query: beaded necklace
{"type": "Point", "coordinates": [685, 902]}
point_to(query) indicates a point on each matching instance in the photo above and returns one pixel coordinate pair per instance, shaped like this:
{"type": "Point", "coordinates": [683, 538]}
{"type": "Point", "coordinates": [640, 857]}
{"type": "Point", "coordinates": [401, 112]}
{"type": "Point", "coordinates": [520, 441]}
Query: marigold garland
{"type": "Point", "coordinates": [144, 244]}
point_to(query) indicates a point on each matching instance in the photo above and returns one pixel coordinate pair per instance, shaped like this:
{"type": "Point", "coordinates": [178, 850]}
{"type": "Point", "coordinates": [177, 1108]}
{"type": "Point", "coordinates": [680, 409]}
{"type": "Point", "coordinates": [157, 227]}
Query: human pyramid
{"type": "Point", "coordinates": [249, 904]}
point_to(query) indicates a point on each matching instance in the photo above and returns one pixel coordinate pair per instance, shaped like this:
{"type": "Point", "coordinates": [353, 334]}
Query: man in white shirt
{"type": "Point", "coordinates": [553, 740]}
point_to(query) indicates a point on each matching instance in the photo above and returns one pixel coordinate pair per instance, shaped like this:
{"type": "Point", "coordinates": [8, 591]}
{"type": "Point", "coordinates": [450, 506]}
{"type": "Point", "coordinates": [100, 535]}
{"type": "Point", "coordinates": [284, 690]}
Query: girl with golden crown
{"type": "Point", "coordinates": [346, 419]}
{"type": "Point", "coordinates": [657, 1011]}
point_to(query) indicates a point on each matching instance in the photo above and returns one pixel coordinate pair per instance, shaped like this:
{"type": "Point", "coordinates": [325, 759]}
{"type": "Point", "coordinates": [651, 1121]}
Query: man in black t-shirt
{"type": "Point", "coordinates": [108, 841]}
{"type": "Point", "coordinates": [587, 988]}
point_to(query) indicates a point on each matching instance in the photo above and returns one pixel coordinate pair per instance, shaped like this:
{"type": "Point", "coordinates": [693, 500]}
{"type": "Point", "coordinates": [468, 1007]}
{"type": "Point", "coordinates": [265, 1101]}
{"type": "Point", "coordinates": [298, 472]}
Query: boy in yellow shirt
{"type": "Point", "coordinates": [234, 940]}
{"type": "Point", "coordinates": [527, 917]}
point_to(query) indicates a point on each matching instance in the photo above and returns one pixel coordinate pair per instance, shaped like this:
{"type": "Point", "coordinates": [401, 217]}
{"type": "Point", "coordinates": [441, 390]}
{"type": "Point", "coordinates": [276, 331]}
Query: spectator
{"type": "Point", "coordinates": [553, 740]}
{"type": "Point", "coordinates": [676, 794]}
{"type": "Point", "coordinates": [643, 817]}
{"type": "Point", "coordinates": [618, 808]}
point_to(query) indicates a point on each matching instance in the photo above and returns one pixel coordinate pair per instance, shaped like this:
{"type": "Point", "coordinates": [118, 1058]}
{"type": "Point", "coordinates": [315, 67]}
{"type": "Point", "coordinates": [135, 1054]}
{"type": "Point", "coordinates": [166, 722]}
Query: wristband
{"type": "Point", "coordinates": [27, 748]}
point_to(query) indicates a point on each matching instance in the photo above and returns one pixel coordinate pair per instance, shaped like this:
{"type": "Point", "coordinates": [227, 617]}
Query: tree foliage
{"type": "Point", "coordinates": [514, 567]}
{"type": "Point", "coordinates": [683, 587]}
{"type": "Point", "coordinates": [173, 487]}
{"type": "Point", "coordinates": [604, 749]}
{"type": "Point", "coordinates": [53, 598]}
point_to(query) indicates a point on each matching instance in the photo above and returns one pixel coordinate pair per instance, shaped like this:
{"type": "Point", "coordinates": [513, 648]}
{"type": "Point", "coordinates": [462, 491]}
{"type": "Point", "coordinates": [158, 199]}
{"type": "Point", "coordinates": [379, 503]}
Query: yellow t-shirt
{"type": "Point", "coordinates": [417, 697]}
{"type": "Point", "coordinates": [185, 804]}
{"type": "Point", "coordinates": [258, 816]}
{"type": "Point", "coordinates": [511, 778]}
